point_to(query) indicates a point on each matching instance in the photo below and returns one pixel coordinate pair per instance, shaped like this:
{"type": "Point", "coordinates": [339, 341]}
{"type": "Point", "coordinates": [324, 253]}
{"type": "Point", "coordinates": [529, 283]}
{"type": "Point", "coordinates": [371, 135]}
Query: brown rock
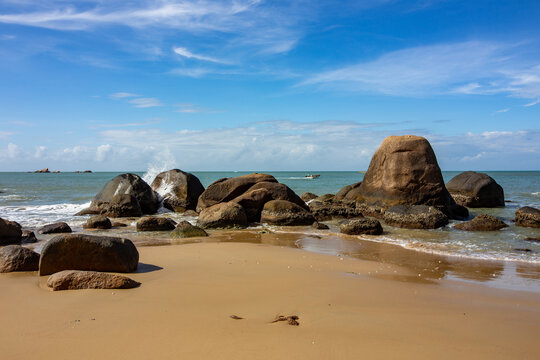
{"type": "Point", "coordinates": [415, 217]}
{"type": "Point", "coordinates": [528, 217]}
{"type": "Point", "coordinates": [348, 192]}
{"type": "Point", "coordinates": [184, 229]}
{"type": "Point", "coordinates": [76, 279]}
{"type": "Point", "coordinates": [154, 223]}
{"type": "Point", "coordinates": [121, 205]}
{"type": "Point", "coordinates": [532, 239]}
{"type": "Point", "coordinates": [180, 190]}
{"type": "Point", "coordinates": [223, 215]}
{"type": "Point", "coordinates": [226, 189]}
{"type": "Point", "coordinates": [10, 232]}
{"type": "Point", "coordinates": [88, 252]}
{"type": "Point", "coordinates": [28, 237]}
{"type": "Point", "coordinates": [361, 226]}
{"type": "Point", "coordinates": [191, 213]}
{"type": "Point", "coordinates": [326, 210]}
{"type": "Point", "coordinates": [98, 222]}
{"type": "Point", "coordinates": [320, 226]}
{"type": "Point", "coordinates": [282, 212]}
{"type": "Point", "coordinates": [307, 196]}
{"type": "Point", "coordinates": [325, 198]}
{"type": "Point", "coordinates": [42, 171]}
{"type": "Point", "coordinates": [18, 258]}
{"type": "Point", "coordinates": [475, 190]}
{"type": "Point", "coordinates": [56, 228]}
{"type": "Point", "coordinates": [482, 222]}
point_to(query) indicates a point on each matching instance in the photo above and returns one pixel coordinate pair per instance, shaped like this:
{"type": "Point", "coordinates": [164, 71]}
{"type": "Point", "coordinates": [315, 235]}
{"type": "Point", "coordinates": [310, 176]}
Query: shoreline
{"type": "Point", "coordinates": [347, 307]}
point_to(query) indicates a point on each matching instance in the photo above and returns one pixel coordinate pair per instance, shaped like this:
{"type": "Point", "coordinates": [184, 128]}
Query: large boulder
{"type": "Point", "coordinates": [482, 222]}
{"type": "Point", "coordinates": [10, 232]}
{"type": "Point", "coordinates": [18, 258]}
{"type": "Point", "coordinates": [124, 184]}
{"type": "Point", "coordinates": [223, 215]}
{"type": "Point", "coordinates": [362, 226]}
{"type": "Point", "coordinates": [404, 171]}
{"type": "Point", "coordinates": [226, 189]}
{"type": "Point", "coordinates": [349, 192]}
{"type": "Point", "coordinates": [415, 217]}
{"type": "Point", "coordinates": [254, 199]}
{"type": "Point", "coordinates": [56, 228]}
{"type": "Point", "coordinates": [121, 205]}
{"type": "Point", "coordinates": [475, 190]}
{"type": "Point", "coordinates": [283, 212]}
{"type": "Point", "coordinates": [154, 223]}
{"type": "Point", "coordinates": [179, 190]}
{"type": "Point", "coordinates": [76, 279]}
{"type": "Point", "coordinates": [88, 252]}
{"type": "Point", "coordinates": [184, 229]}
{"type": "Point", "coordinates": [98, 222]}
{"type": "Point", "coordinates": [528, 217]}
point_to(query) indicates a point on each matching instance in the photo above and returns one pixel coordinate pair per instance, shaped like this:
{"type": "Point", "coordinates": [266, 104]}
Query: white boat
{"type": "Point", "coordinates": [312, 176]}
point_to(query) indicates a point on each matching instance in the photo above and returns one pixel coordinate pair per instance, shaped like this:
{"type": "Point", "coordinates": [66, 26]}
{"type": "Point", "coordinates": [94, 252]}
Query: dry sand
{"type": "Point", "coordinates": [347, 308]}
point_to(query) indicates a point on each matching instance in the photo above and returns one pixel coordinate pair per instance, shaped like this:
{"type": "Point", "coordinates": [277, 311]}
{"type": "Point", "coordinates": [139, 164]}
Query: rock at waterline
{"type": "Point", "coordinates": [76, 280]}
{"type": "Point", "coordinates": [184, 229]}
{"type": "Point", "coordinates": [28, 237]}
{"type": "Point", "coordinates": [18, 258]}
{"type": "Point", "coordinates": [121, 205]}
{"type": "Point", "coordinates": [180, 190]}
{"type": "Point", "coordinates": [362, 226]}
{"type": "Point", "coordinates": [482, 222]}
{"type": "Point", "coordinates": [285, 213]}
{"type": "Point", "coordinates": [415, 217]}
{"type": "Point", "coordinates": [98, 222]}
{"type": "Point", "coordinates": [88, 252]}
{"type": "Point", "coordinates": [10, 232]}
{"type": "Point", "coordinates": [320, 226]}
{"type": "Point", "coordinates": [528, 217]}
{"type": "Point", "coordinates": [223, 215]}
{"type": "Point", "coordinates": [473, 189]}
{"type": "Point", "coordinates": [56, 228]}
{"type": "Point", "coordinates": [154, 223]}
{"type": "Point", "coordinates": [42, 171]}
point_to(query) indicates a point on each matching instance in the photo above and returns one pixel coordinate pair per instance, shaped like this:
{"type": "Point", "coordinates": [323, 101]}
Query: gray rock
{"type": "Point", "coordinates": [415, 217]}
{"type": "Point", "coordinates": [76, 279]}
{"type": "Point", "coordinates": [362, 226]}
{"type": "Point", "coordinates": [18, 258]}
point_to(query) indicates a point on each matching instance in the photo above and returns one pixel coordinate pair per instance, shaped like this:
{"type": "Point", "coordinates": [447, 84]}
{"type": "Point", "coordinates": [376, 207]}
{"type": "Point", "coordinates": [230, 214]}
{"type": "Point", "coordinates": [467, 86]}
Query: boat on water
{"type": "Point", "coordinates": [312, 176]}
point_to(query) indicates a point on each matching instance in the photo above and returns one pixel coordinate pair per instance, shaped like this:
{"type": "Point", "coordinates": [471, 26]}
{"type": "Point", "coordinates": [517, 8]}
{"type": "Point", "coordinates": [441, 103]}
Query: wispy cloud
{"type": "Point", "coordinates": [191, 108]}
{"type": "Point", "coordinates": [5, 134]}
{"type": "Point", "coordinates": [532, 103]}
{"type": "Point", "coordinates": [122, 95]}
{"type": "Point", "coordinates": [502, 111]}
{"type": "Point", "coordinates": [182, 51]}
{"type": "Point", "coordinates": [145, 102]}
{"type": "Point", "coordinates": [7, 37]}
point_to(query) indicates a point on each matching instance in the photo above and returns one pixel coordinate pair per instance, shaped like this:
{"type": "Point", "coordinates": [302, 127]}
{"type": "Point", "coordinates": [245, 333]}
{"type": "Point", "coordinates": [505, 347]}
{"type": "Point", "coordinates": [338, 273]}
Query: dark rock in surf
{"type": "Point", "coordinates": [98, 222]}
{"type": "Point", "coordinates": [184, 229]}
{"type": "Point", "coordinates": [180, 190]}
{"type": "Point", "coordinates": [475, 190]}
{"type": "Point", "coordinates": [528, 217]}
{"type": "Point", "coordinates": [18, 258]}
{"type": "Point", "coordinates": [362, 226]}
{"type": "Point", "coordinates": [56, 228]}
{"type": "Point", "coordinates": [154, 223]}
{"type": "Point", "coordinates": [415, 217]}
{"type": "Point", "coordinates": [10, 232]}
{"type": "Point", "coordinates": [482, 222]}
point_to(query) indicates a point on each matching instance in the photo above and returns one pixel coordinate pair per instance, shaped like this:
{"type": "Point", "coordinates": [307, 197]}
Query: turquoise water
{"type": "Point", "coordinates": [36, 199]}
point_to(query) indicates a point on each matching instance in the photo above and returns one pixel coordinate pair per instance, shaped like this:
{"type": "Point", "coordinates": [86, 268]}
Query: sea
{"type": "Point", "coordinates": [36, 199]}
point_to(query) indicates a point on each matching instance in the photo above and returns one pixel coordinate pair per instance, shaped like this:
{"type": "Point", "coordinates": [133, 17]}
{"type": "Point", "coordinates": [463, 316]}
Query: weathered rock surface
{"type": "Point", "coordinates": [361, 226]}
{"type": "Point", "coordinates": [56, 228]}
{"type": "Point", "coordinates": [76, 280]}
{"type": "Point", "coordinates": [325, 197]}
{"type": "Point", "coordinates": [326, 210]}
{"type": "Point", "coordinates": [10, 232]}
{"type": "Point", "coordinates": [404, 171]}
{"type": "Point", "coordinates": [227, 189]}
{"type": "Point", "coordinates": [88, 252]}
{"type": "Point", "coordinates": [121, 205]}
{"type": "Point", "coordinates": [184, 229]}
{"type": "Point", "coordinates": [415, 217]}
{"type": "Point", "coordinates": [18, 258]}
{"type": "Point", "coordinates": [475, 190]}
{"type": "Point", "coordinates": [283, 212]}
{"type": "Point", "coordinates": [320, 226]}
{"type": "Point", "coordinates": [349, 192]}
{"type": "Point", "coordinates": [98, 222]}
{"type": "Point", "coordinates": [154, 223]}
{"type": "Point", "coordinates": [223, 215]}
{"type": "Point", "coordinates": [180, 190]}
{"type": "Point", "coordinates": [28, 237]}
{"type": "Point", "coordinates": [307, 196]}
{"type": "Point", "coordinates": [482, 222]}
{"type": "Point", "coordinates": [528, 217]}
{"type": "Point", "coordinates": [124, 184]}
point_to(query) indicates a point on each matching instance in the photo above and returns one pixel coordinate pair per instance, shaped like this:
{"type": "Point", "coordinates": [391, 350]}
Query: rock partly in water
{"type": "Point", "coordinates": [528, 217]}
{"type": "Point", "coordinates": [307, 196]}
{"type": "Point", "coordinates": [415, 217]}
{"type": "Point", "coordinates": [286, 213]}
{"type": "Point", "coordinates": [18, 258]}
{"type": "Point", "coordinates": [154, 223]}
{"type": "Point", "coordinates": [537, 239]}
{"type": "Point", "coordinates": [226, 189]}
{"type": "Point", "coordinates": [320, 226]}
{"type": "Point", "coordinates": [98, 222]}
{"type": "Point", "coordinates": [482, 222]}
{"type": "Point", "coordinates": [473, 189]}
{"type": "Point", "coordinates": [124, 184]}
{"type": "Point", "coordinates": [42, 171]}
{"type": "Point", "coordinates": [76, 280]}
{"type": "Point", "coordinates": [362, 226]}
{"type": "Point", "coordinates": [88, 252]}
{"type": "Point", "coordinates": [348, 192]}
{"type": "Point", "coordinates": [28, 237]}
{"type": "Point", "coordinates": [184, 229]}
{"type": "Point", "coordinates": [404, 171]}
{"type": "Point", "coordinates": [10, 232]}
{"type": "Point", "coordinates": [331, 209]}
{"type": "Point", "coordinates": [223, 215]}
{"type": "Point", "coordinates": [56, 228]}
{"type": "Point", "coordinates": [179, 190]}
{"type": "Point", "coordinates": [121, 205]}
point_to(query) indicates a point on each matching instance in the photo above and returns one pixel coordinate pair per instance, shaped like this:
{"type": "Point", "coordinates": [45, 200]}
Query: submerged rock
{"type": "Point", "coordinates": [180, 190]}
{"type": "Point", "coordinates": [283, 212]}
{"type": "Point", "coordinates": [362, 226]}
{"type": "Point", "coordinates": [18, 258]}
{"type": "Point", "coordinates": [10, 232]}
{"type": "Point", "coordinates": [98, 222]}
{"type": "Point", "coordinates": [415, 217]}
{"type": "Point", "coordinates": [154, 223]}
{"type": "Point", "coordinates": [528, 217]}
{"type": "Point", "coordinates": [88, 252]}
{"type": "Point", "coordinates": [76, 280]}
{"type": "Point", "coordinates": [482, 222]}
{"type": "Point", "coordinates": [223, 215]}
{"type": "Point", "coordinates": [184, 229]}
{"type": "Point", "coordinates": [475, 190]}
{"type": "Point", "coordinates": [56, 228]}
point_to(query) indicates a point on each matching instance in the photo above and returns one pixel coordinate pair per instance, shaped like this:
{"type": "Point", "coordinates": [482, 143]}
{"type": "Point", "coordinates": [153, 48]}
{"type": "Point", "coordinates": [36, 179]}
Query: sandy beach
{"type": "Point", "coordinates": [347, 308]}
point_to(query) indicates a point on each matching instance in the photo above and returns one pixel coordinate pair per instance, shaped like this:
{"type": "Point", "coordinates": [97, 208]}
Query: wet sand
{"type": "Point", "coordinates": [348, 309]}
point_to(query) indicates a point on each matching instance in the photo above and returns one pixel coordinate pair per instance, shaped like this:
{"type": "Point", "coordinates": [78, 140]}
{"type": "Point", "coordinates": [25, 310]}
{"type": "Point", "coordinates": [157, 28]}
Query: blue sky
{"type": "Point", "coordinates": [266, 85]}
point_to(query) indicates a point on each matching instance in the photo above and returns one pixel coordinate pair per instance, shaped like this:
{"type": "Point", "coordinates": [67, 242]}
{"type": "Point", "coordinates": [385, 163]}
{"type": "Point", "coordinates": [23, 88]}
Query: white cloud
{"type": "Point", "coordinates": [532, 103]}
{"type": "Point", "coordinates": [40, 152]}
{"type": "Point", "coordinates": [7, 37]}
{"type": "Point", "coordinates": [182, 51]}
{"type": "Point", "coordinates": [145, 102]}
{"type": "Point", "coordinates": [122, 95]}
{"type": "Point", "coordinates": [502, 111]}
{"type": "Point", "coordinates": [102, 152]}
{"type": "Point", "coordinates": [5, 134]}
{"type": "Point", "coordinates": [191, 108]}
